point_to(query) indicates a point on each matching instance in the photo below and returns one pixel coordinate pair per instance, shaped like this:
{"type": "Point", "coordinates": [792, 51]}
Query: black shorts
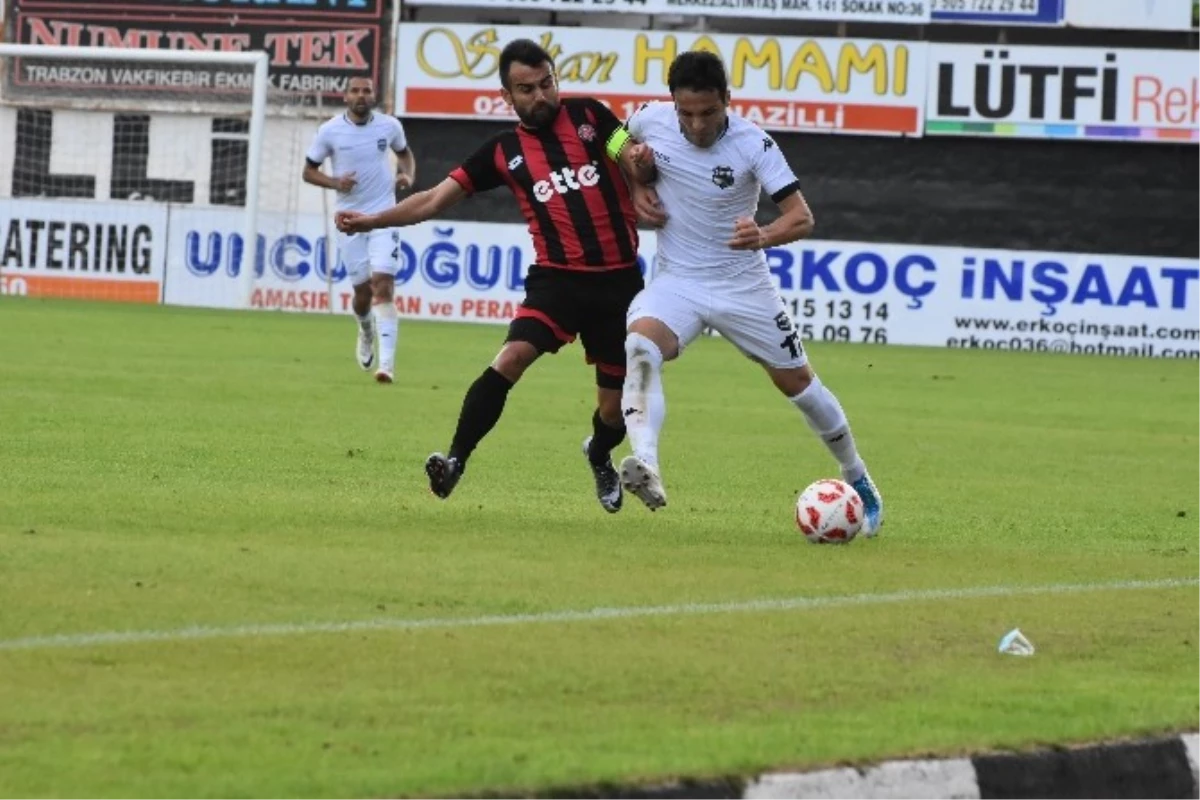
{"type": "Point", "coordinates": [561, 304]}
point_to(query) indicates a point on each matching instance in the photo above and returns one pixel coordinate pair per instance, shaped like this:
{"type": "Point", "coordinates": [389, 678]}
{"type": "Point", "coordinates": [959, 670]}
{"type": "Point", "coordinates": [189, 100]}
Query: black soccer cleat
{"type": "Point", "coordinates": [608, 482]}
{"type": "Point", "coordinates": [444, 474]}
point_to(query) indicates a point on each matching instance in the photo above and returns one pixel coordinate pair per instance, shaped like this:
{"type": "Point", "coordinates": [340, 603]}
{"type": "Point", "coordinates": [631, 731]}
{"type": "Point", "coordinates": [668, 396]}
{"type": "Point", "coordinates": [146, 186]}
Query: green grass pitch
{"type": "Point", "coordinates": [166, 469]}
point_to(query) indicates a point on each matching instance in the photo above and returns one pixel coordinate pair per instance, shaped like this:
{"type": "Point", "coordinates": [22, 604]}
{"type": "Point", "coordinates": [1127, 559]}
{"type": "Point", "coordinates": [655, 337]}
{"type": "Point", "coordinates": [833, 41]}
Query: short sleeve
{"type": "Point", "coordinates": [636, 124]}
{"type": "Point", "coordinates": [399, 140]}
{"type": "Point", "coordinates": [320, 149]}
{"type": "Point", "coordinates": [772, 170]}
{"type": "Point", "coordinates": [479, 173]}
{"type": "Point", "coordinates": [606, 121]}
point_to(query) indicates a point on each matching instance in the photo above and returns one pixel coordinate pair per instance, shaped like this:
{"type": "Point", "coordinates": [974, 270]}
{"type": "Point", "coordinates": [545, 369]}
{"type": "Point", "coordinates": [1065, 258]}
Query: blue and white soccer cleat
{"type": "Point", "coordinates": [872, 505]}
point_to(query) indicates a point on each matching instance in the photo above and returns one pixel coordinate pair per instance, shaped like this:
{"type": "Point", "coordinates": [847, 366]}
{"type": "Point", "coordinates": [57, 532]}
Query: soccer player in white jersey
{"type": "Point", "coordinates": [711, 271]}
{"type": "Point", "coordinates": [357, 142]}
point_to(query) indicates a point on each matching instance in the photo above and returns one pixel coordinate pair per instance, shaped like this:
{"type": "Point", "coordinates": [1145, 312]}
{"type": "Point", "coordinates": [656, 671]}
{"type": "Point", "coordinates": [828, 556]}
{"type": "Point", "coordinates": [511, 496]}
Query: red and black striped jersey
{"type": "Point", "coordinates": [571, 193]}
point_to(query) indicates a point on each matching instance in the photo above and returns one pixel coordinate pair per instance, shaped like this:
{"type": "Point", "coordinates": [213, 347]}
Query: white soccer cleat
{"type": "Point", "coordinates": [364, 348]}
{"type": "Point", "coordinates": [383, 376]}
{"type": "Point", "coordinates": [642, 480]}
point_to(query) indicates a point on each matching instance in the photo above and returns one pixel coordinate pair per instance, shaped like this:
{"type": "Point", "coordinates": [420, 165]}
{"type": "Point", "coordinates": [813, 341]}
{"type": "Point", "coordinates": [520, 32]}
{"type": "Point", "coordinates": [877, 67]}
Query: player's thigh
{"type": "Point", "coordinates": [680, 304]}
{"type": "Point", "coordinates": [353, 250]}
{"type": "Point", "coordinates": [546, 317]}
{"type": "Point", "coordinates": [756, 320]}
{"type": "Point", "coordinates": [602, 311]}
{"type": "Point", "coordinates": [383, 251]}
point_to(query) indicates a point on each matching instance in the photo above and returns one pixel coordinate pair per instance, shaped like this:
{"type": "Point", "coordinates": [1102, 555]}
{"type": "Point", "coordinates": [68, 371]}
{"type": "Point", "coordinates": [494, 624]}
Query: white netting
{"type": "Point", "coordinates": [98, 145]}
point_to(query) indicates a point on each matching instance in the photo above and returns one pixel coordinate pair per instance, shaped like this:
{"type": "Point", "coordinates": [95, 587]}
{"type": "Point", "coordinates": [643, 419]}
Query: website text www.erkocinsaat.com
{"type": "Point", "coordinates": [1060, 336]}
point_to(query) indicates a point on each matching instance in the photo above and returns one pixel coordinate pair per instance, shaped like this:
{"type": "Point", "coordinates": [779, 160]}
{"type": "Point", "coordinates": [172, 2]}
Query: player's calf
{"type": "Point", "coordinates": [364, 345]}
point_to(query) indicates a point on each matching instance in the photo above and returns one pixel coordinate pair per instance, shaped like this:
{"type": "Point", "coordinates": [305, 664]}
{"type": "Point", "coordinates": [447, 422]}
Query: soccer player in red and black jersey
{"type": "Point", "coordinates": [563, 163]}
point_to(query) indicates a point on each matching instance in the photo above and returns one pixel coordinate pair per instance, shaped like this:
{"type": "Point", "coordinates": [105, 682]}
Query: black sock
{"type": "Point", "coordinates": [481, 411]}
{"type": "Point", "coordinates": [604, 439]}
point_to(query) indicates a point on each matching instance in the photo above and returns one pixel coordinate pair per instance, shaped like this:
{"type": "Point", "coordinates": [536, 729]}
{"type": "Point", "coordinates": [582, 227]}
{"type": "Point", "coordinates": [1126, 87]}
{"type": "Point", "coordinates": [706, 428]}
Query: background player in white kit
{"type": "Point", "coordinates": [358, 142]}
{"type": "Point", "coordinates": [711, 271]}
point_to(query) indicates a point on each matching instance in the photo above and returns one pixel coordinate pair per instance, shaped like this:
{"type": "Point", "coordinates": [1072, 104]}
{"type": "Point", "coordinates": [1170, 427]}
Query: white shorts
{"type": "Point", "coordinates": [373, 251]}
{"type": "Point", "coordinates": [746, 310]}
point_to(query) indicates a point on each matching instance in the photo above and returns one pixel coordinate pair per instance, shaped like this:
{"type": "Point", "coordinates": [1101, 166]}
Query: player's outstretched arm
{"type": "Point", "coordinates": [413, 209]}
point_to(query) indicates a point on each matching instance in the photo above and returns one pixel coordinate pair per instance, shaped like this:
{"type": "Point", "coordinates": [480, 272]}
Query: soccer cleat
{"type": "Point", "coordinates": [365, 347]}
{"type": "Point", "coordinates": [608, 483]}
{"type": "Point", "coordinates": [642, 480]}
{"type": "Point", "coordinates": [383, 376]}
{"type": "Point", "coordinates": [444, 474]}
{"type": "Point", "coordinates": [872, 505]}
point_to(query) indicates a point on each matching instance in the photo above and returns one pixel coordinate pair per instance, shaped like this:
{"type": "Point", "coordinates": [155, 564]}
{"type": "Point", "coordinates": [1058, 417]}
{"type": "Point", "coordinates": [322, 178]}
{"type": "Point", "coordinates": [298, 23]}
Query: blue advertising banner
{"type": "Point", "coordinates": [999, 12]}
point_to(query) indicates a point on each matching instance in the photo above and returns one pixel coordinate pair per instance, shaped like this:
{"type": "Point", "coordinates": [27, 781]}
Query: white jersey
{"type": "Point", "coordinates": [705, 189]}
{"type": "Point", "coordinates": [363, 150]}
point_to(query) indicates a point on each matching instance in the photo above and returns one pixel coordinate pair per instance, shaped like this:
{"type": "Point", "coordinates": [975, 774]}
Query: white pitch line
{"type": "Point", "coordinates": [70, 640]}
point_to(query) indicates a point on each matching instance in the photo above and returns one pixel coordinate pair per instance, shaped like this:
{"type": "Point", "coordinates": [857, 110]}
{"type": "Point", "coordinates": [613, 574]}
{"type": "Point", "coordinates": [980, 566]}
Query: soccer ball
{"type": "Point", "coordinates": [829, 511]}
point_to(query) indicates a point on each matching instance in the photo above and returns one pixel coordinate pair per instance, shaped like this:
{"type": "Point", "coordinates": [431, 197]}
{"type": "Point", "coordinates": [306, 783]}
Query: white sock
{"type": "Point", "coordinates": [387, 321]}
{"type": "Point", "coordinates": [825, 416]}
{"type": "Point", "coordinates": [366, 322]}
{"type": "Point", "coordinates": [642, 400]}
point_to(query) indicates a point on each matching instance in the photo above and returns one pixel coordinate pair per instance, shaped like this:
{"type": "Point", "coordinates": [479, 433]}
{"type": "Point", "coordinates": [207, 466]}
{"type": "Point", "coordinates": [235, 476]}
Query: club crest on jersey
{"type": "Point", "coordinates": [587, 133]}
{"type": "Point", "coordinates": [381, 144]}
{"type": "Point", "coordinates": [723, 177]}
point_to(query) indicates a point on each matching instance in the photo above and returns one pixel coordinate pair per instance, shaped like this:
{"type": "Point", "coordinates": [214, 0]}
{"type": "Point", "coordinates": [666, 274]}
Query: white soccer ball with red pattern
{"type": "Point", "coordinates": [829, 511]}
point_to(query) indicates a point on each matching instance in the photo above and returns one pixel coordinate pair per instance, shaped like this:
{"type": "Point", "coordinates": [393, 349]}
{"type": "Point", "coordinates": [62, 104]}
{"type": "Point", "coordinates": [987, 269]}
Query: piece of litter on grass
{"type": "Point", "coordinates": [1015, 644]}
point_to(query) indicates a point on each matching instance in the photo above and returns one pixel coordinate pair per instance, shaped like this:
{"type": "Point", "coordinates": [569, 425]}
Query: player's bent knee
{"type": "Point", "coordinates": [514, 358]}
{"type": "Point", "coordinates": [639, 346]}
{"type": "Point", "coordinates": [793, 380]}
{"type": "Point", "coordinates": [383, 287]}
{"type": "Point", "coordinates": [610, 378]}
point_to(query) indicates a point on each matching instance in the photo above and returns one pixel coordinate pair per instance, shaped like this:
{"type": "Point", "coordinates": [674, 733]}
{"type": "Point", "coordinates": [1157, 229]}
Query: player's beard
{"type": "Point", "coordinates": [538, 116]}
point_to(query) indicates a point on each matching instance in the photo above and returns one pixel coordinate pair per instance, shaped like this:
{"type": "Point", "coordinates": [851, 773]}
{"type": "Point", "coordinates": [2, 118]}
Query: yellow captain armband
{"type": "Point", "coordinates": [616, 143]}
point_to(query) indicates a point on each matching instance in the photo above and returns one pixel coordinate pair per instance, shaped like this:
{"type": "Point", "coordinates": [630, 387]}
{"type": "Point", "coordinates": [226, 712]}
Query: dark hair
{"type": "Point", "coordinates": [699, 71]}
{"type": "Point", "coordinates": [523, 51]}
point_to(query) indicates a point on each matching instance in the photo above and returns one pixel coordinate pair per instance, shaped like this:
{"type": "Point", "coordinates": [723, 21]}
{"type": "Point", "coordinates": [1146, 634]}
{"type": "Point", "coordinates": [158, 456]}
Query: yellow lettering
{"type": "Point", "coordinates": [706, 44]}
{"type": "Point", "coordinates": [583, 67]}
{"type": "Point", "coordinates": [900, 71]}
{"type": "Point", "coordinates": [479, 46]}
{"type": "Point", "coordinates": [553, 50]}
{"type": "Point", "coordinates": [745, 55]}
{"type": "Point", "coordinates": [809, 59]}
{"type": "Point", "coordinates": [643, 54]}
{"type": "Point", "coordinates": [851, 61]}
